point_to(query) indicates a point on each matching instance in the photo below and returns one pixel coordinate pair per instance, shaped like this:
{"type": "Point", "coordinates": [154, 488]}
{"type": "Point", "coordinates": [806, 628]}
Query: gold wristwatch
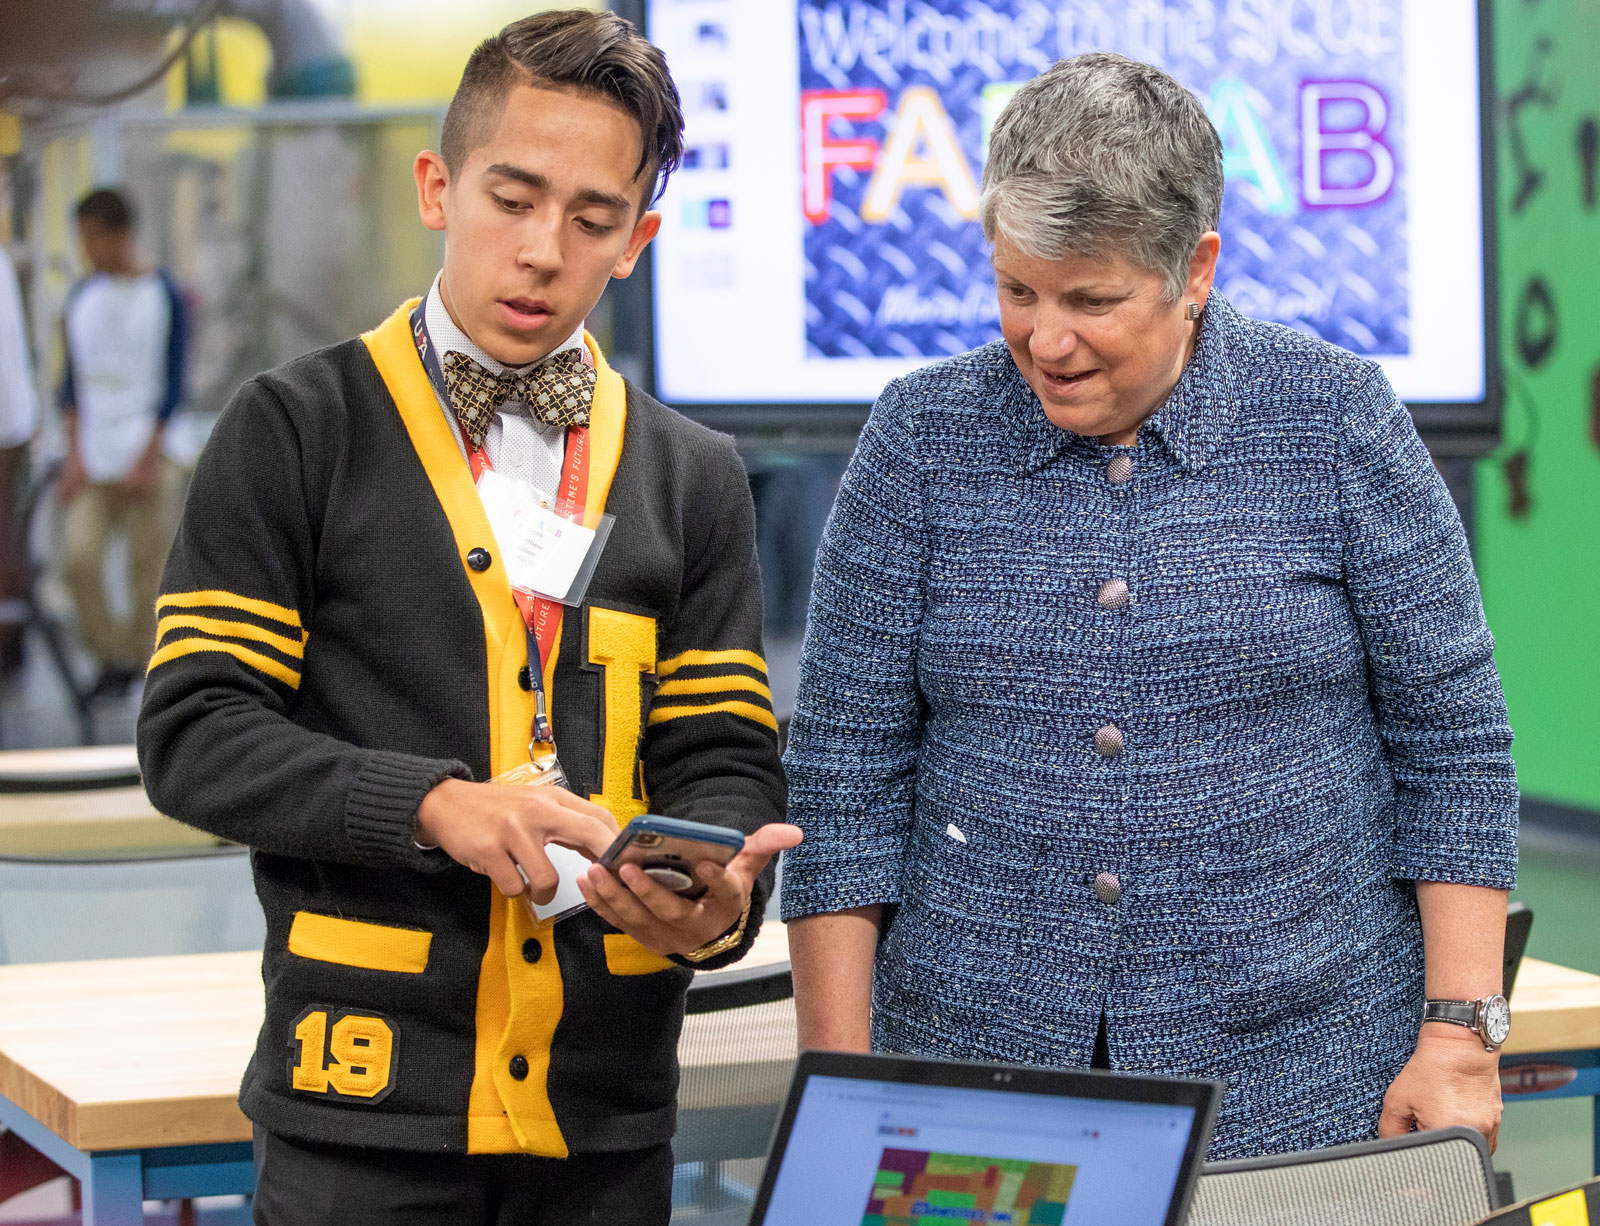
{"type": "Point", "coordinates": [723, 943]}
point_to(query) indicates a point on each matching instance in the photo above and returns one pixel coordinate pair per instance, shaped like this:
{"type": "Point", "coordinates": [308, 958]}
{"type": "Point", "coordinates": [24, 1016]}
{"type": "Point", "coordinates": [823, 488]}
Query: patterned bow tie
{"type": "Point", "coordinates": [557, 392]}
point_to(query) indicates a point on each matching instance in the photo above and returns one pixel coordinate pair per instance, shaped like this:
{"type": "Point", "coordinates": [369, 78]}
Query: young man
{"type": "Point", "coordinates": [343, 666]}
{"type": "Point", "coordinates": [125, 341]}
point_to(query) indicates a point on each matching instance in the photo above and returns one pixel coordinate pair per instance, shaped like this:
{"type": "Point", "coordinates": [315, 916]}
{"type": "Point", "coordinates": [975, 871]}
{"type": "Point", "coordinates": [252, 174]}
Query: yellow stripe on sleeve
{"type": "Point", "coordinates": [257, 661]}
{"type": "Point", "coordinates": [231, 629]}
{"type": "Point", "coordinates": [229, 600]}
{"type": "Point", "coordinates": [713, 685]}
{"type": "Point", "coordinates": [761, 715]}
{"type": "Point", "coordinates": [684, 659]}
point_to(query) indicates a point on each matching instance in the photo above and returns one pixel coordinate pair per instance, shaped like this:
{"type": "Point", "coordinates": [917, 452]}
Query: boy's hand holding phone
{"type": "Point", "coordinates": [667, 923]}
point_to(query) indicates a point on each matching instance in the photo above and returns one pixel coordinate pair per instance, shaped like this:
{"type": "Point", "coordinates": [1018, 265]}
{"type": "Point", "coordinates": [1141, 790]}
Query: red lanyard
{"type": "Point", "coordinates": [542, 616]}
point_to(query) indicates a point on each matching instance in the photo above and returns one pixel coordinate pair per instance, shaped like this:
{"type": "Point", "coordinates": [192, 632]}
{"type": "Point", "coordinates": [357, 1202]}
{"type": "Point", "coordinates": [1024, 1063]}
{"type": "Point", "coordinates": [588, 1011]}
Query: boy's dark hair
{"type": "Point", "coordinates": [107, 207]}
{"type": "Point", "coordinates": [594, 53]}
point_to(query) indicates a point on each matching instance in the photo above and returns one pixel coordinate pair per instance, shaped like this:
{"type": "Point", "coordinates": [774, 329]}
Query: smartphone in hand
{"type": "Point", "coordinates": [667, 849]}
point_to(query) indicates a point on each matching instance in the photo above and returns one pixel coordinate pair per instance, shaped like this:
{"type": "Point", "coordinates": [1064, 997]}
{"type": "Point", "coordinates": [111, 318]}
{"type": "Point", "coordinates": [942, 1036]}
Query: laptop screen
{"type": "Point", "coordinates": [889, 1153]}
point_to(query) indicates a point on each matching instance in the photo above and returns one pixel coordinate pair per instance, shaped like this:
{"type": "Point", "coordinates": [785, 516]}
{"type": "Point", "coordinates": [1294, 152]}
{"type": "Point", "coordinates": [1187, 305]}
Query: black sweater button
{"type": "Point", "coordinates": [532, 951]}
{"type": "Point", "coordinates": [479, 559]}
{"type": "Point", "coordinates": [519, 1067]}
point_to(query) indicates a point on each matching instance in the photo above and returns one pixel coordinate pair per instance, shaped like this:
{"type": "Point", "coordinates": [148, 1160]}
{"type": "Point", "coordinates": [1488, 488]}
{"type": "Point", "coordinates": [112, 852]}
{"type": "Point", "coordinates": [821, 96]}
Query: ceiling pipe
{"type": "Point", "coordinates": [46, 56]}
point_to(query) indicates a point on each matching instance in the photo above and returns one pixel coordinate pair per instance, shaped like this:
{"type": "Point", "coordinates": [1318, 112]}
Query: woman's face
{"type": "Point", "coordinates": [1096, 339]}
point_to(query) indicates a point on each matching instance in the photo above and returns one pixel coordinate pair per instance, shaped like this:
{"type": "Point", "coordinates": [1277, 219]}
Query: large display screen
{"type": "Point", "coordinates": [822, 235]}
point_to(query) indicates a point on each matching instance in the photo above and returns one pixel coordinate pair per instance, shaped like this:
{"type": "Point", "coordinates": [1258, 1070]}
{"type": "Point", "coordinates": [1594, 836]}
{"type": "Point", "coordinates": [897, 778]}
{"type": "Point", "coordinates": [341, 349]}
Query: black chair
{"type": "Point", "coordinates": [1438, 1178]}
{"type": "Point", "coordinates": [1519, 922]}
{"type": "Point", "coordinates": [30, 613]}
{"type": "Point", "coordinates": [737, 1056]}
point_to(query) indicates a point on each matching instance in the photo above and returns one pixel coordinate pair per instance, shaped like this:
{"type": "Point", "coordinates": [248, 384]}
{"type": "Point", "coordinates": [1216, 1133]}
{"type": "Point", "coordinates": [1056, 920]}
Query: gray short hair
{"type": "Point", "coordinates": [1102, 155]}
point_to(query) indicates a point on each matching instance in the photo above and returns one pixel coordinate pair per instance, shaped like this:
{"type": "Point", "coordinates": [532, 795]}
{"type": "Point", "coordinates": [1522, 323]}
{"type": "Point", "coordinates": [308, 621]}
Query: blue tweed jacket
{"type": "Point", "coordinates": [1309, 718]}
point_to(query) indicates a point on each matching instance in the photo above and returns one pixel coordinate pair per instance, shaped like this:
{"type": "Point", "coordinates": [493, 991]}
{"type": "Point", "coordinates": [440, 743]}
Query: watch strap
{"type": "Point", "coordinates": [723, 943]}
{"type": "Point", "coordinates": [1488, 1017]}
{"type": "Point", "coordinates": [1459, 1012]}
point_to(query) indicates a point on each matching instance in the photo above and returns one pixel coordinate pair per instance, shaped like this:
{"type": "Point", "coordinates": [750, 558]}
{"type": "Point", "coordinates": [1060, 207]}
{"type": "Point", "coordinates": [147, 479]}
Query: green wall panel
{"type": "Point", "coordinates": [1537, 500]}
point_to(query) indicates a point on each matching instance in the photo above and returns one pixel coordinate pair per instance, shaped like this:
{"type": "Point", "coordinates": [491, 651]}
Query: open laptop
{"type": "Point", "coordinates": [894, 1141]}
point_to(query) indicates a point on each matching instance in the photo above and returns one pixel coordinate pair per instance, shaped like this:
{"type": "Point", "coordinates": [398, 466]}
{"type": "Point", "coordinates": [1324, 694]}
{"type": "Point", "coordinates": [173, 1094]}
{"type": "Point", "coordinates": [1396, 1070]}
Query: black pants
{"type": "Point", "coordinates": [302, 1184]}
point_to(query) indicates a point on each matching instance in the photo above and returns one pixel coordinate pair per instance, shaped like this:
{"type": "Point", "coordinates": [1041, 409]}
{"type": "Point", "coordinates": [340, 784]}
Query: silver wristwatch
{"type": "Point", "coordinates": [1488, 1017]}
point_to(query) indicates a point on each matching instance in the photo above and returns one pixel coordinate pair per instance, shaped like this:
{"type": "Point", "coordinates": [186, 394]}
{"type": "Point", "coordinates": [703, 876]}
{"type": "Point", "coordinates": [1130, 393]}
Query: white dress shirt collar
{"type": "Point", "coordinates": [447, 338]}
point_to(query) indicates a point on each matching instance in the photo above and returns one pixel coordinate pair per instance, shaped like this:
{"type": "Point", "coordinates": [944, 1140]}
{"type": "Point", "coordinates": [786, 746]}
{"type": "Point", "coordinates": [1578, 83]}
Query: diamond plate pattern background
{"type": "Point", "coordinates": [919, 285]}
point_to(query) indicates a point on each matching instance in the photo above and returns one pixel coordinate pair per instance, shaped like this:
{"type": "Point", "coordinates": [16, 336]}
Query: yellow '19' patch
{"type": "Point", "coordinates": [352, 1060]}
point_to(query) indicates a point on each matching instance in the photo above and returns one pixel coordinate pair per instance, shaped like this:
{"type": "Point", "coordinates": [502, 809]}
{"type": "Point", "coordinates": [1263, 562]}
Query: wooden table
{"type": "Point", "coordinates": [103, 822]}
{"type": "Point", "coordinates": [76, 802]}
{"type": "Point", "coordinates": [1554, 1049]}
{"type": "Point", "coordinates": [50, 770]}
{"type": "Point", "coordinates": [126, 1072]}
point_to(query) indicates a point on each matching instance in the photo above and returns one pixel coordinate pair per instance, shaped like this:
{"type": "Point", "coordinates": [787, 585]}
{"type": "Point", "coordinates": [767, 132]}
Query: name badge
{"type": "Point", "coordinates": [545, 553]}
{"type": "Point", "coordinates": [545, 771]}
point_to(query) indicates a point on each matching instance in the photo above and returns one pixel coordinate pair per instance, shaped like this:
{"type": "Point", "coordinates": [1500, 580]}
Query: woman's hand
{"type": "Point", "coordinates": [1449, 1080]}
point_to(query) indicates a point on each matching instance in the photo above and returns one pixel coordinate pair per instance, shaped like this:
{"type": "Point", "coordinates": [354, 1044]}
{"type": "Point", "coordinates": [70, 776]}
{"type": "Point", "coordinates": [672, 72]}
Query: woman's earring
{"type": "Point", "coordinates": [1194, 310]}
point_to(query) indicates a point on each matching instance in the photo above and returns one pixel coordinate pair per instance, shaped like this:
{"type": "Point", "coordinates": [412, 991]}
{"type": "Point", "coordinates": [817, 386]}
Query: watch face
{"type": "Point", "coordinates": [1496, 1020]}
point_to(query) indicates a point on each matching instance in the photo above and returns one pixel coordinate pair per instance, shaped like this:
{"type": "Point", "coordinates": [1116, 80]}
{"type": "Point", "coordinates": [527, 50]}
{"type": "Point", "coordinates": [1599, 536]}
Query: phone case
{"type": "Point", "coordinates": [667, 849]}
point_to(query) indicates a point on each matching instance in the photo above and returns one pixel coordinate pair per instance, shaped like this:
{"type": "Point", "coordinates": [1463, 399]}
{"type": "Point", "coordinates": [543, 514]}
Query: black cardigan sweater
{"type": "Point", "coordinates": [326, 655]}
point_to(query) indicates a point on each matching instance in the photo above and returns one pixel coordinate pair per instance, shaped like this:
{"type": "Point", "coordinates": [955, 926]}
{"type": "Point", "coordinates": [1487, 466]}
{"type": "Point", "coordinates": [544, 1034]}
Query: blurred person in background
{"type": "Point", "coordinates": [19, 416]}
{"type": "Point", "coordinates": [125, 335]}
{"type": "Point", "coordinates": [1147, 716]}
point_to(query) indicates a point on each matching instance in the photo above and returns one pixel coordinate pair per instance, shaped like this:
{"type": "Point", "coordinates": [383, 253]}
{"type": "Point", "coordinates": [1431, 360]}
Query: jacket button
{"type": "Point", "coordinates": [524, 678]}
{"type": "Point", "coordinates": [1108, 741]}
{"type": "Point", "coordinates": [478, 559]}
{"type": "Point", "coordinates": [1107, 888]}
{"type": "Point", "coordinates": [519, 1067]}
{"type": "Point", "coordinates": [1119, 470]}
{"type": "Point", "coordinates": [1113, 594]}
{"type": "Point", "coordinates": [532, 951]}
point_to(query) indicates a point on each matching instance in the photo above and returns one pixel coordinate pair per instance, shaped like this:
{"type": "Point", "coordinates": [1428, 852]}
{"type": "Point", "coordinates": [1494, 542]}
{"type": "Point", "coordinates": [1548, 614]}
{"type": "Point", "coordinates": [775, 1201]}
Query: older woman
{"type": "Point", "coordinates": [1147, 703]}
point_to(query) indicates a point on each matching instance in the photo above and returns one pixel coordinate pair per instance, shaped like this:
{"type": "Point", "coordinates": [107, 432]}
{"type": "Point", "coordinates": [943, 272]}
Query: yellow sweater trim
{"type": "Point", "coordinates": [231, 600]}
{"type": "Point", "coordinates": [374, 947]}
{"type": "Point", "coordinates": [519, 1003]}
{"type": "Point", "coordinates": [224, 628]}
{"type": "Point", "coordinates": [736, 656]}
{"type": "Point", "coordinates": [749, 710]}
{"type": "Point", "coordinates": [262, 664]}
{"type": "Point", "coordinates": [713, 685]}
